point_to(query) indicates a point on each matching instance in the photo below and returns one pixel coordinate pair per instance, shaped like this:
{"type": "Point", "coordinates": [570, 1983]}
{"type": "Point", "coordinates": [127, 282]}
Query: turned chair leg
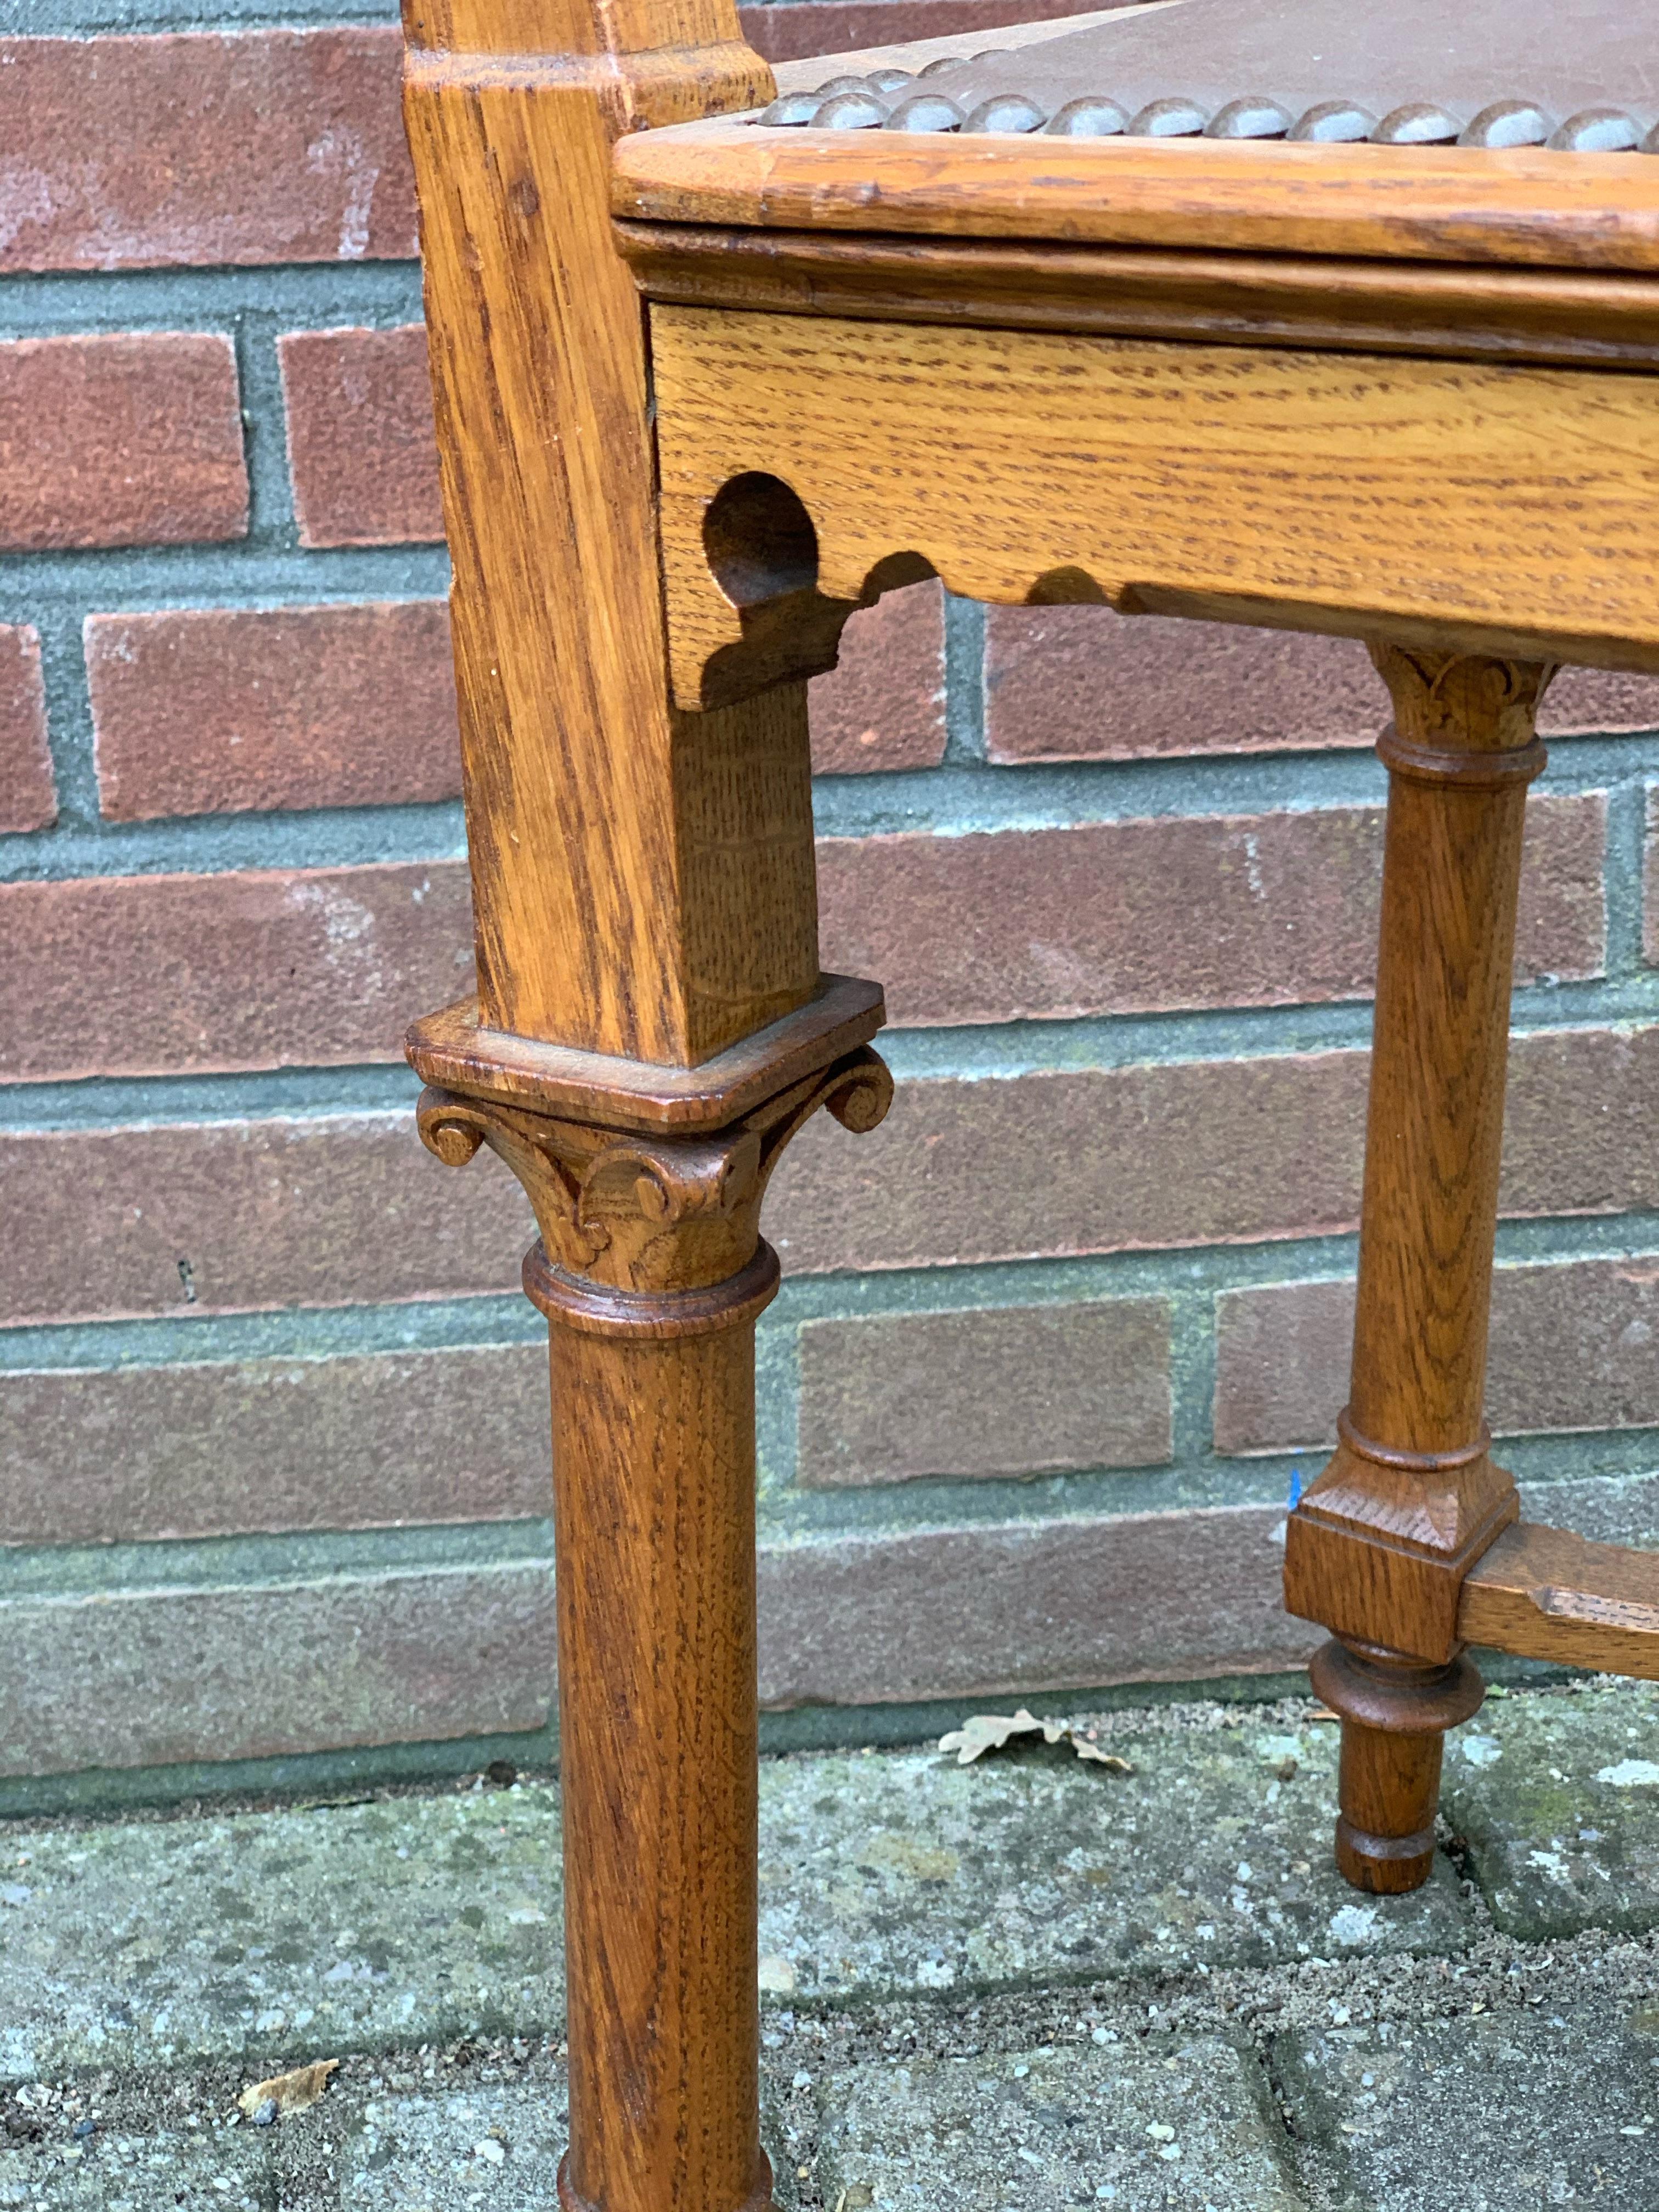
{"type": "Point", "coordinates": [651, 1271]}
{"type": "Point", "coordinates": [646, 909]}
{"type": "Point", "coordinates": [1379, 1546]}
{"type": "Point", "coordinates": [653, 1404]}
{"type": "Point", "coordinates": [1394, 1719]}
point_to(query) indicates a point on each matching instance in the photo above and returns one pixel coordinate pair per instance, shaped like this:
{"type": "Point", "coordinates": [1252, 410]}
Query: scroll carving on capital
{"type": "Point", "coordinates": [652, 1211]}
{"type": "Point", "coordinates": [1449, 703]}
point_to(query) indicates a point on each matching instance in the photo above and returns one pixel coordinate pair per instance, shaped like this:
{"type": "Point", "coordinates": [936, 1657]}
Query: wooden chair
{"type": "Point", "coordinates": [1331, 317]}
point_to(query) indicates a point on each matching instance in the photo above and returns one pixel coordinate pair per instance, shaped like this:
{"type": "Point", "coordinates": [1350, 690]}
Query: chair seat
{"type": "Point", "coordinates": [1497, 133]}
{"type": "Point", "coordinates": [803, 275]}
{"type": "Point", "coordinates": [1578, 76]}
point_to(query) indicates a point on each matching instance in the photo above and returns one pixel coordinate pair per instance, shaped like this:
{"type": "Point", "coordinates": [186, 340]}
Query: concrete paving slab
{"type": "Point", "coordinates": [1137, 2126]}
{"type": "Point", "coordinates": [302, 1932]}
{"type": "Point", "coordinates": [883, 1873]}
{"type": "Point", "coordinates": [1556, 1793]}
{"type": "Point", "coordinates": [1503, 2111]}
{"type": "Point", "coordinates": [149, 2172]}
{"type": "Point", "coordinates": [1151, 1949]}
{"type": "Point", "coordinates": [449, 2154]}
{"type": "Point", "coordinates": [484, 2145]}
{"type": "Point", "coordinates": [292, 1933]}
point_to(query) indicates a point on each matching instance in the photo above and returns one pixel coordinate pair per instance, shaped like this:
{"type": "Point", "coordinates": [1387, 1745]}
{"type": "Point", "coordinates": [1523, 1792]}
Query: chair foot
{"type": "Point", "coordinates": [760, 2198]}
{"type": "Point", "coordinates": [1395, 1712]}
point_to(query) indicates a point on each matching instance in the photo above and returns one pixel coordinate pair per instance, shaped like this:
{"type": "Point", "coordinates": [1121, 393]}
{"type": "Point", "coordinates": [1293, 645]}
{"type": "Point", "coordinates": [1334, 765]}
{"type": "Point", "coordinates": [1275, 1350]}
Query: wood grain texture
{"type": "Point", "coordinates": [451, 1051]}
{"type": "Point", "coordinates": [1541, 315]}
{"type": "Point", "coordinates": [670, 59]}
{"type": "Point", "coordinates": [1412, 1497]}
{"type": "Point", "coordinates": [643, 884]}
{"type": "Point", "coordinates": [651, 1272]}
{"type": "Point", "coordinates": [644, 1212]}
{"type": "Point", "coordinates": [1460, 756]}
{"type": "Point", "coordinates": [1394, 1716]}
{"type": "Point", "coordinates": [1548, 1594]}
{"type": "Point", "coordinates": [1506, 509]}
{"type": "Point", "coordinates": [644, 895]}
{"type": "Point", "coordinates": [1397, 203]}
{"type": "Point", "coordinates": [655, 1521]}
{"type": "Point", "coordinates": [1388, 1786]}
{"type": "Point", "coordinates": [1380, 1544]}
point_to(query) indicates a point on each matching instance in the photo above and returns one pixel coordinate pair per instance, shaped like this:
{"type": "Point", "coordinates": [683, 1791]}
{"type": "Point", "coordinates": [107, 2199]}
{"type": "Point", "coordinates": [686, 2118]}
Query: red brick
{"type": "Point", "coordinates": [126, 440]}
{"type": "Point", "coordinates": [1053, 1164]}
{"type": "Point", "coordinates": [1573, 1348]}
{"type": "Point", "coordinates": [1023, 1606]}
{"type": "Point", "coordinates": [150, 1677]}
{"type": "Point", "coordinates": [800, 28]}
{"type": "Point", "coordinates": [1281, 1365]}
{"type": "Point", "coordinates": [1186, 1153]}
{"type": "Point", "coordinates": [28, 794]}
{"type": "Point", "coordinates": [219, 1447]}
{"type": "Point", "coordinates": [198, 148]}
{"type": "Point", "coordinates": [149, 975]}
{"type": "Point", "coordinates": [1599, 702]}
{"type": "Point", "coordinates": [1068, 1604]}
{"type": "Point", "coordinates": [1084, 684]}
{"type": "Point", "coordinates": [196, 1218]}
{"type": "Point", "coordinates": [218, 709]}
{"type": "Point", "coordinates": [202, 147]}
{"type": "Point", "coordinates": [342, 1209]}
{"type": "Point", "coordinates": [884, 707]}
{"type": "Point", "coordinates": [360, 442]}
{"type": "Point", "coordinates": [308, 967]}
{"type": "Point", "coordinates": [157, 1676]}
{"type": "Point", "coordinates": [1142, 916]}
{"type": "Point", "coordinates": [993, 1391]}
{"type": "Point", "coordinates": [1581, 1123]}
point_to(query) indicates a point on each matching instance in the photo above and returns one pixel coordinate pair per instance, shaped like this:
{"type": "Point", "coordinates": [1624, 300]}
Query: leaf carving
{"type": "Point", "coordinates": [650, 1212]}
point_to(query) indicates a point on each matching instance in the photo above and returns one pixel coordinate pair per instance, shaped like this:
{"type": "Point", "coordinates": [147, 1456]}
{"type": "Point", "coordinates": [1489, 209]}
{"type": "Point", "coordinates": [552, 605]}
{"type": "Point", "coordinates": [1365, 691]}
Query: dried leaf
{"type": "Point", "coordinates": [990, 1731]}
{"type": "Point", "coordinates": [1324, 1713]}
{"type": "Point", "coordinates": [1108, 1760]}
{"type": "Point", "coordinates": [296, 2092]}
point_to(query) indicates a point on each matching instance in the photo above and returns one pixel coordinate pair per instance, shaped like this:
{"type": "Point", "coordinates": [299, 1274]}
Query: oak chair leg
{"type": "Point", "coordinates": [645, 910]}
{"type": "Point", "coordinates": [651, 1272]}
{"type": "Point", "coordinates": [654, 1508]}
{"type": "Point", "coordinates": [1394, 1719]}
{"type": "Point", "coordinates": [1379, 1546]}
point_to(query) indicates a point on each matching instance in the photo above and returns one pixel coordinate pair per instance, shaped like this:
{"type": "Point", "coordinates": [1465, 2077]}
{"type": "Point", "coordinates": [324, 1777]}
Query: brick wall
{"type": "Point", "coordinates": [273, 1416]}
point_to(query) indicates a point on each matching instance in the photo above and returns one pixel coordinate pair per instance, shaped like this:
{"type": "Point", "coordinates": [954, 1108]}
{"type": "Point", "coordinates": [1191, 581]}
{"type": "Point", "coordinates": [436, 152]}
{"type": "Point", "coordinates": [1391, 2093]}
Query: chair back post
{"type": "Point", "coordinates": [642, 880]}
{"type": "Point", "coordinates": [651, 1030]}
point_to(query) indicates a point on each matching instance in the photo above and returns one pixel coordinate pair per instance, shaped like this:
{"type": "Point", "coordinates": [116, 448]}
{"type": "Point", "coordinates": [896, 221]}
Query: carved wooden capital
{"type": "Point", "coordinates": [650, 1211]}
{"type": "Point", "coordinates": [1450, 705]}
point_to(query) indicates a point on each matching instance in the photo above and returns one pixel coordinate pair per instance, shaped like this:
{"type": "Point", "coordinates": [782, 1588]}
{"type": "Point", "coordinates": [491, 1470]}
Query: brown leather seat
{"type": "Point", "coordinates": [1580, 75]}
